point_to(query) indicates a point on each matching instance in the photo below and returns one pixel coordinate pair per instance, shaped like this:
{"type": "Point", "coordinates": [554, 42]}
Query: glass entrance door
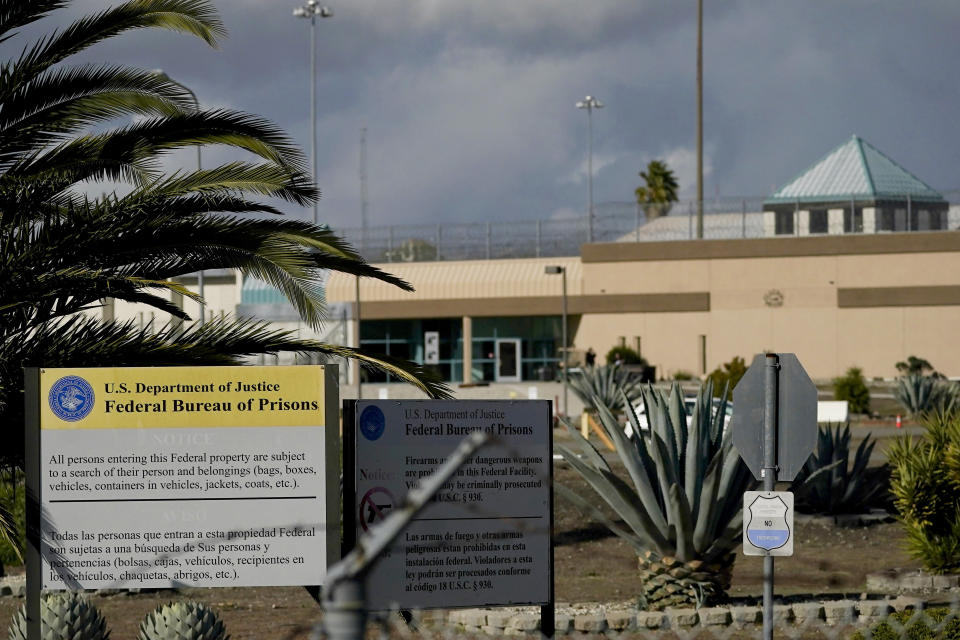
{"type": "Point", "coordinates": [508, 360]}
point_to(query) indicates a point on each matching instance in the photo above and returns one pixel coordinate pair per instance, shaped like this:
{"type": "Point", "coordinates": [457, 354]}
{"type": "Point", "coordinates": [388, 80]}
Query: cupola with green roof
{"type": "Point", "coordinates": [855, 188]}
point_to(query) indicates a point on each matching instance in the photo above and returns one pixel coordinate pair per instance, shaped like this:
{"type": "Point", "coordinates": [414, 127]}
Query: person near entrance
{"type": "Point", "coordinates": [591, 357]}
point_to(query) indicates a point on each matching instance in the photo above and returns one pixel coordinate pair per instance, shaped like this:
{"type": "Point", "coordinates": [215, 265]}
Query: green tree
{"type": "Point", "coordinates": [852, 387]}
{"type": "Point", "coordinates": [727, 376]}
{"type": "Point", "coordinates": [658, 191]}
{"type": "Point", "coordinates": [63, 128]}
{"type": "Point", "coordinates": [916, 367]}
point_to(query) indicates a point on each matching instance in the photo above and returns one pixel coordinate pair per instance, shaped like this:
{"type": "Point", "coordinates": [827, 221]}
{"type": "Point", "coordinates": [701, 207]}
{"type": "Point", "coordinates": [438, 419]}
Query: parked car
{"type": "Point", "coordinates": [689, 404]}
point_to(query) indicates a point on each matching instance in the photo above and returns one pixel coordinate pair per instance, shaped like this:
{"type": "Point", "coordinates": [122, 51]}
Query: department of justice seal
{"type": "Point", "coordinates": [372, 423]}
{"type": "Point", "coordinates": [71, 398]}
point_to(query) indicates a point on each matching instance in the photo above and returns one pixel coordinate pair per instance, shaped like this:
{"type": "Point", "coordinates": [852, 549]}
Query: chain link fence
{"type": "Point", "coordinates": [826, 620]}
{"type": "Point", "coordinates": [723, 218]}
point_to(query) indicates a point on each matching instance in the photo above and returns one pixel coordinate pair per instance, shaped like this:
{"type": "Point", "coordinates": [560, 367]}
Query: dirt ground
{"type": "Point", "coordinates": [591, 565]}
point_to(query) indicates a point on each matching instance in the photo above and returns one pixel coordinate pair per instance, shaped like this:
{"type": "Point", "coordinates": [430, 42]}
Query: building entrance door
{"type": "Point", "coordinates": [508, 360]}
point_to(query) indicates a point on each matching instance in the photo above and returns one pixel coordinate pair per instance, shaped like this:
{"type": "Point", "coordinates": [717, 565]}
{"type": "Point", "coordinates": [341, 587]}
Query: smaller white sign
{"type": "Point", "coordinates": [768, 523]}
{"type": "Point", "coordinates": [431, 347]}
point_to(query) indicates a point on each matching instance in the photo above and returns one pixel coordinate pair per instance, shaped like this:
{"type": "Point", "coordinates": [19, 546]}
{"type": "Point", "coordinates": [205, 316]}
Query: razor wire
{"type": "Point", "coordinates": [626, 222]}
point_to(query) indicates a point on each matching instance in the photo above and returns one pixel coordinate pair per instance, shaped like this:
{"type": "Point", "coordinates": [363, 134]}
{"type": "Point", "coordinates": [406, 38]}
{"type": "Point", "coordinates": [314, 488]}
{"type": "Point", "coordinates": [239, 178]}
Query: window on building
{"type": "Point", "coordinates": [892, 219]}
{"type": "Point", "coordinates": [853, 220]}
{"type": "Point", "coordinates": [540, 339]}
{"type": "Point", "coordinates": [937, 219]}
{"type": "Point", "coordinates": [818, 221]}
{"type": "Point", "coordinates": [405, 339]}
{"type": "Point", "coordinates": [928, 220]}
{"type": "Point", "coordinates": [783, 223]}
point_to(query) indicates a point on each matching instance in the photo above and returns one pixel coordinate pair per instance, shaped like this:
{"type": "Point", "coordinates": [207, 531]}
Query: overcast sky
{"type": "Point", "coordinates": [469, 104]}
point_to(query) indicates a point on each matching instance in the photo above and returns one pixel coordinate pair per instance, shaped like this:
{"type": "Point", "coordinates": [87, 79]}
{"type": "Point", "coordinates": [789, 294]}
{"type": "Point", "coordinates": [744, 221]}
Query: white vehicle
{"type": "Point", "coordinates": [689, 404]}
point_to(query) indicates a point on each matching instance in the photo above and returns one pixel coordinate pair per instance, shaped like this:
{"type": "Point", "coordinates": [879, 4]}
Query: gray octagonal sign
{"type": "Point", "coordinates": [796, 422]}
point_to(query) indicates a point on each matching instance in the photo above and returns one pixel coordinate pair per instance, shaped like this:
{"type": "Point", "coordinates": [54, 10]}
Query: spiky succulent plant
{"type": "Point", "coordinates": [606, 386]}
{"type": "Point", "coordinates": [827, 483]}
{"type": "Point", "coordinates": [64, 615]}
{"type": "Point", "coordinates": [682, 509]}
{"type": "Point", "coordinates": [182, 621]}
{"type": "Point", "coordinates": [919, 394]}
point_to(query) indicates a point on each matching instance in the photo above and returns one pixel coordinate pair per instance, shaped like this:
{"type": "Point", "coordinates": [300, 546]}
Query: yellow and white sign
{"type": "Point", "coordinates": [187, 476]}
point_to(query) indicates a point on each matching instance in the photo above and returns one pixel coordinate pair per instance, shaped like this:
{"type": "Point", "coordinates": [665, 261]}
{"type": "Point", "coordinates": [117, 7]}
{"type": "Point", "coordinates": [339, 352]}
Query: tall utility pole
{"type": "Point", "coordinates": [311, 10]}
{"type": "Point", "coordinates": [364, 201]}
{"type": "Point", "coordinates": [699, 119]}
{"type": "Point", "coordinates": [196, 107]}
{"type": "Point", "coordinates": [590, 103]}
{"type": "Point", "coordinates": [553, 270]}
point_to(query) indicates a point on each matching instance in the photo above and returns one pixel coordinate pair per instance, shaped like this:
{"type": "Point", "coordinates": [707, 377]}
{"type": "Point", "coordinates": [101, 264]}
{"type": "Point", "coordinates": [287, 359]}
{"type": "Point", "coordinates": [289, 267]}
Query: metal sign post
{"type": "Point", "coordinates": [768, 474]}
{"type": "Point", "coordinates": [774, 427]}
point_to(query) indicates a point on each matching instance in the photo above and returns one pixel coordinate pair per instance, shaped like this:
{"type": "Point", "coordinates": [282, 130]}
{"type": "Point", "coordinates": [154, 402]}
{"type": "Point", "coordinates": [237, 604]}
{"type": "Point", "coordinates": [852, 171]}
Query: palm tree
{"type": "Point", "coordinates": [658, 191]}
{"type": "Point", "coordinates": [63, 252]}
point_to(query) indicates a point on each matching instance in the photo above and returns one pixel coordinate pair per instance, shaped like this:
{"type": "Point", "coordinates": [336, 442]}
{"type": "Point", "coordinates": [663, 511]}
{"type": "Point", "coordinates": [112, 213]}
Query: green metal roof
{"type": "Point", "coordinates": [854, 170]}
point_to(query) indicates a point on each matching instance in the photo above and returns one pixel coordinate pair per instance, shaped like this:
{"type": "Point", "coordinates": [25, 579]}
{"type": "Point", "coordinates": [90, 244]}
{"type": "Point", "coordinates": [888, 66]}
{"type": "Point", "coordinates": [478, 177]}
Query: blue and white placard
{"type": "Point", "coordinates": [768, 523]}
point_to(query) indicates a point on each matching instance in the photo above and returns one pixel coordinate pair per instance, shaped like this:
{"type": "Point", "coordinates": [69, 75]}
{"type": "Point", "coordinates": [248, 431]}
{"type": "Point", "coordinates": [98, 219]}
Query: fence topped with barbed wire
{"type": "Point", "coordinates": [723, 218]}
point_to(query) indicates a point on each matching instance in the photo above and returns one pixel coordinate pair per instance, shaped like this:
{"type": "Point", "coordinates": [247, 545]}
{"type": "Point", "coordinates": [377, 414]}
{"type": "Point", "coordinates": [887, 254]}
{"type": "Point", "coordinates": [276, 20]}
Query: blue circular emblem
{"type": "Point", "coordinates": [71, 398]}
{"type": "Point", "coordinates": [372, 423]}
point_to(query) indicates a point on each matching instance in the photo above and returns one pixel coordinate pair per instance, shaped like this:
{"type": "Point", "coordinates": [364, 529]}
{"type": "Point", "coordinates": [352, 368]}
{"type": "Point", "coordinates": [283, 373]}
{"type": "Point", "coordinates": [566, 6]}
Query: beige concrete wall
{"type": "Point", "coordinates": [456, 280]}
{"type": "Point", "coordinates": [221, 298]}
{"type": "Point", "coordinates": [921, 286]}
{"type": "Point", "coordinates": [866, 300]}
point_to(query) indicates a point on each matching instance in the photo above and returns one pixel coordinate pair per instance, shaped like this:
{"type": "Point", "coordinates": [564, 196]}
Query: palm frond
{"type": "Point", "coordinates": [63, 100]}
{"type": "Point", "coordinates": [132, 152]}
{"type": "Point", "coordinates": [17, 13]}
{"type": "Point", "coordinates": [266, 179]}
{"type": "Point", "coordinates": [8, 531]}
{"type": "Point", "coordinates": [194, 17]}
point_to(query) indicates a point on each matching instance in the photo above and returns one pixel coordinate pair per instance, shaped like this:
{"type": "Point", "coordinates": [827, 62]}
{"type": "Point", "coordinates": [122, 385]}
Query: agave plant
{"type": "Point", "coordinates": [64, 615]}
{"type": "Point", "coordinates": [919, 394]}
{"type": "Point", "coordinates": [606, 386]}
{"type": "Point", "coordinates": [682, 509]}
{"type": "Point", "coordinates": [925, 483]}
{"type": "Point", "coordinates": [827, 483]}
{"type": "Point", "coordinates": [182, 621]}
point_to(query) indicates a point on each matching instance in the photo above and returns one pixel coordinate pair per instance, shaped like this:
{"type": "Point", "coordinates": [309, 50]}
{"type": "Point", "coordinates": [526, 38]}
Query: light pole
{"type": "Point", "coordinates": [311, 10]}
{"type": "Point", "coordinates": [590, 103]}
{"type": "Point", "coordinates": [699, 119]}
{"type": "Point", "coordinates": [196, 107]}
{"type": "Point", "coordinates": [554, 270]}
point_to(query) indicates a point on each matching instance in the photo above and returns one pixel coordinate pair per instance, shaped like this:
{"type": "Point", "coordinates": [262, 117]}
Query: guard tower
{"type": "Point", "coordinates": [854, 189]}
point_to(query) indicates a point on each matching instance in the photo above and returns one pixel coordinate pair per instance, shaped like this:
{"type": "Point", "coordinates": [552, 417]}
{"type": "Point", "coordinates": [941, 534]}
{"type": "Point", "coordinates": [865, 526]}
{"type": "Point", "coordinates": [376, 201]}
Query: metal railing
{"type": "Point", "coordinates": [724, 218]}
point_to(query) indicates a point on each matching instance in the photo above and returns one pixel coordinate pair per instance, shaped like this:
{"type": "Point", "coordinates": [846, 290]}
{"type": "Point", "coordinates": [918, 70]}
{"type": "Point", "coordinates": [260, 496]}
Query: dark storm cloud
{"type": "Point", "coordinates": [470, 105]}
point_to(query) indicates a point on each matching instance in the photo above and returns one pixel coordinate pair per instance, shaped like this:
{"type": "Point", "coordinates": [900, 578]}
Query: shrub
{"type": "Point", "coordinates": [925, 482]}
{"type": "Point", "coordinates": [939, 623]}
{"type": "Point", "coordinates": [918, 393]}
{"type": "Point", "coordinates": [914, 366]}
{"type": "Point", "coordinates": [627, 356]}
{"type": "Point", "coordinates": [64, 615]}
{"type": "Point", "coordinates": [608, 385]}
{"type": "Point", "coordinates": [827, 483]}
{"type": "Point", "coordinates": [681, 508]}
{"type": "Point", "coordinates": [182, 621]}
{"type": "Point", "coordinates": [727, 376]}
{"type": "Point", "coordinates": [12, 501]}
{"type": "Point", "coordinates": [852, 387]}
{"type": "Point", "coordinates": [683, 376]}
